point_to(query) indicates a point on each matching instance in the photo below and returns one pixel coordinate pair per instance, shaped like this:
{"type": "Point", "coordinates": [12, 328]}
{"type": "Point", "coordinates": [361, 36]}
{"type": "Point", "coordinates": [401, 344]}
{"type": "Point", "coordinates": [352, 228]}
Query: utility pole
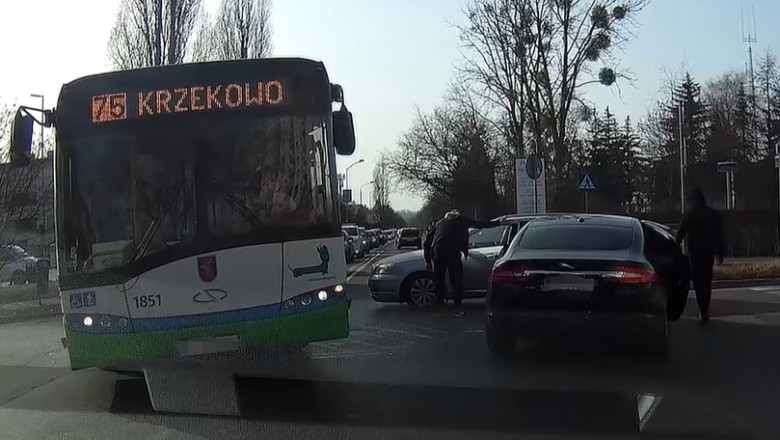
{"type": "Point", "coordinates": [42, 195]}
{"type": "Point", "coordinates": [683, 157]}
{"type": "Point", "coordinates": [361, 190]}
{"type": "Point", "coordinates": [346, 184]}
{"type": "Point", "coordinates": [777, 166]}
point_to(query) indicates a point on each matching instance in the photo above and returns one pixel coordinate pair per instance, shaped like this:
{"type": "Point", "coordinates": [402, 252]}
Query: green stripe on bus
{"type": "Point", "coordinates": [113, 350]}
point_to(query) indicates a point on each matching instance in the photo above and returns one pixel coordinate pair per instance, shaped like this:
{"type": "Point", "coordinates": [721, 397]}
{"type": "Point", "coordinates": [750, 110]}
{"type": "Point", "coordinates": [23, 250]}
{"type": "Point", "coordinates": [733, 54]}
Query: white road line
{"type": "Point", "coordinates": [370, 260]}
{"type": "Point", "coordinates": [765, 288]}
{"type": "Point", "coordinates": [754, 288]}
{"type": "Point", "coordinates": [376, 330]}
{"type": "Point", "coordinates": [423, 328]}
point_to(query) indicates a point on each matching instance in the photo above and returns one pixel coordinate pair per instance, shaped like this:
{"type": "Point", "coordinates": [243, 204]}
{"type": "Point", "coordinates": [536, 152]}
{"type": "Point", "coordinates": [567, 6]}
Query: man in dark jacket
{"type": "Point", "coordinates": [703, 227]}
{"type": "Point", "coordinates": [442, 249]}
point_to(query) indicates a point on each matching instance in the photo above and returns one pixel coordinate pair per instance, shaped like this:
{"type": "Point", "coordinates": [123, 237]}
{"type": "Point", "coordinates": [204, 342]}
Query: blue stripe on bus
{"type": "Point", "coordinates": [290, 307]}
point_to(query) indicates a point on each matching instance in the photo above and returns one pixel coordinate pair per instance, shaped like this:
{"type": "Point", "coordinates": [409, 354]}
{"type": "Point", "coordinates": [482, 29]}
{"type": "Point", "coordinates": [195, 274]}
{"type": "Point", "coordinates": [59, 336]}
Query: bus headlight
{"type": "Point", "coordinates": [338, 289]}
{"type": "Point", "coordinates": [322, 295]}
{"type": "Point", "coordinates": [88, 321]}
{"type": "Point", "coordinates": [105, 321]}
{"type": "Point", "coordinates": [306, 300]}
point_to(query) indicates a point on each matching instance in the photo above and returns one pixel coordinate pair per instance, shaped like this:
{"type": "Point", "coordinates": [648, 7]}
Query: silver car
{"type": "Point", "coordinates": [16, 264]}
{"type": "Point", "coordinates": [357, 240]}
{"type": "Point", "coordinates": [403, 278]}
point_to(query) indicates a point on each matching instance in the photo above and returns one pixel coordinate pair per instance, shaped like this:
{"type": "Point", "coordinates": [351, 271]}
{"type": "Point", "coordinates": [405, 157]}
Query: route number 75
{"type": "Point", "coordinates": [106, 108]}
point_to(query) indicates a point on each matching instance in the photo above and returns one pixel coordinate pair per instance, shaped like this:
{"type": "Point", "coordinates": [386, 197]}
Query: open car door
{"type": "Point", "coordinates": [671, 266]}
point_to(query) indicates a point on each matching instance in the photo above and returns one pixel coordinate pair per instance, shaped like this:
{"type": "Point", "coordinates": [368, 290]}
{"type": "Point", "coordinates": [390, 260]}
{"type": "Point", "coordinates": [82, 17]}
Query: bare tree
{"type": "Point", "coordinates": [451, 153]}
{"type": "Point", "coordinates": [203, 40]}
{"type": "Point", "coordinates": [152, 32]}
{"type": "Point", "coordinates": [242, 29]}
{"type": "Point", "coordinates": [533, 57]}
{"type": "Point", "coordinates": [382, 182]}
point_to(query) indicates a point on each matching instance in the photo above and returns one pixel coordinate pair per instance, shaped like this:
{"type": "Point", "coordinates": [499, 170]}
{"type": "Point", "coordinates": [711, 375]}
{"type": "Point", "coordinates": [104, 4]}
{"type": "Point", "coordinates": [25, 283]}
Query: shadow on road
{"type": "Point", "coordinates": [416, 406]}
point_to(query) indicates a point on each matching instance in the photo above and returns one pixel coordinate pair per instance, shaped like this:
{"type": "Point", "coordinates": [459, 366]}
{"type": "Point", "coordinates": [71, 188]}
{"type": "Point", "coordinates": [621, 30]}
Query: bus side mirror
{"type": "Point", "coordinates": [343, 131]}
{"type": "Point", "coordinates": [21, 139]}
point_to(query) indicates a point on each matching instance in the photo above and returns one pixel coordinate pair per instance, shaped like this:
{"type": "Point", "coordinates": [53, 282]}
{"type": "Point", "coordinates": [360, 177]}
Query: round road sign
{"type": "Point", "coordinates": [533, 167]}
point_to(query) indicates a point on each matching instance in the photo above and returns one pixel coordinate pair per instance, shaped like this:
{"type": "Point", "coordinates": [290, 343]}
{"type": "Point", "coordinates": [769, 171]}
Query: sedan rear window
{"type": "Point", "coordinates": [410, 233]}
{"type": "Point", "coordinates": [577, 237]}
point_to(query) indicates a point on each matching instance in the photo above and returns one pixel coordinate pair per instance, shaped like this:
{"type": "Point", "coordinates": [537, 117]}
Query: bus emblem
{"type": "Point", "coordinates": [321, 268]}
{"type": "Point", "coordinates": [207, 268]}
{"type": "Point", "coordinates": [209, 296]}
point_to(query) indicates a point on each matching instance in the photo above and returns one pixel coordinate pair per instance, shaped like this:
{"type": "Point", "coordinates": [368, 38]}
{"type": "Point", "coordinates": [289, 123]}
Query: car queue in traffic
{"type": "Point", "coordinates": [558, 274]}
{"type": "Point", "coordinates": [359, 241]}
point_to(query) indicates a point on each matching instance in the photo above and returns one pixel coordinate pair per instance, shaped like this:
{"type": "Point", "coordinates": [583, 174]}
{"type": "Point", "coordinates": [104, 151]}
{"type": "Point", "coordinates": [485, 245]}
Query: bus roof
{"type": "Point", "coordinates": [183, 90]}
{"type": "Point", "coordinates": [174, 70]}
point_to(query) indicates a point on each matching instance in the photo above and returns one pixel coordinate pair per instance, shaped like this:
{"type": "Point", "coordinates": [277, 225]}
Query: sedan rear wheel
{"type": "Point", "coordinates": [421, 291]}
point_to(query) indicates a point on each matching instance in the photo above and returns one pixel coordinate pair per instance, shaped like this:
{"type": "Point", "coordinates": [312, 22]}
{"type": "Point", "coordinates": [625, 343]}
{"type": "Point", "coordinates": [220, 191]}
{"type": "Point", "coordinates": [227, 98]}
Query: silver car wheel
{"type": "Point", "coordinates": [422, 292]}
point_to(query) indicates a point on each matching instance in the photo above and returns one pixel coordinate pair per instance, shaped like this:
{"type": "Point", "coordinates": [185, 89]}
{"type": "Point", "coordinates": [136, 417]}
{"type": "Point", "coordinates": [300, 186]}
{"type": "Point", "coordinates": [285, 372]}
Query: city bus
{"type": "Point", "coordinates": [196, 209]}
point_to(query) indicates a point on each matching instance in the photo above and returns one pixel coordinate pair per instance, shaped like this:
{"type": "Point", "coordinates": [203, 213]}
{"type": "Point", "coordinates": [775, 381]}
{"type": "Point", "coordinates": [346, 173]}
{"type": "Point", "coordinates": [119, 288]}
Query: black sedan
{"type": "Point", "coordinates": [349, 247]}
{"type": "Point", "coordinates": [566, 273]}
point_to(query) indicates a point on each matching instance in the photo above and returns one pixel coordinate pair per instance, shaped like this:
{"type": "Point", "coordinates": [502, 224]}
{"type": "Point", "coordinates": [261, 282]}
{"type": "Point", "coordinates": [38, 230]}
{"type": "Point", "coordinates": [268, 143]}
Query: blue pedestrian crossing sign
{"type": "Point", "coordinates": [586, 182]}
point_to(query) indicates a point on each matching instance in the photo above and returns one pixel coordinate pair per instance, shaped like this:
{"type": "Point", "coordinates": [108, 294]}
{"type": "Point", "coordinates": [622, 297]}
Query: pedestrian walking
{"type": "Point", "coordinates": [702, 226]}
{"type": "Point", "coordinates": [443, 248]}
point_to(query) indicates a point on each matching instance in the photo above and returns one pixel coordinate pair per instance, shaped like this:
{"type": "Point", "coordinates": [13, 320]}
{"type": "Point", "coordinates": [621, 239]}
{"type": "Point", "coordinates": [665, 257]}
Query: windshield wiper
{"type": "Point", "coordinates": [234, 202]}
{"type": "Point", "coordinates": [241, 209]}
{"type": "Point", "coordinates": [151, 231]}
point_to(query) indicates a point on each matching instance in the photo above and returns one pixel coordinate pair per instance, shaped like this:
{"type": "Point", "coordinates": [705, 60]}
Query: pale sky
{"type": "Point", "coordinates": [388, 55]}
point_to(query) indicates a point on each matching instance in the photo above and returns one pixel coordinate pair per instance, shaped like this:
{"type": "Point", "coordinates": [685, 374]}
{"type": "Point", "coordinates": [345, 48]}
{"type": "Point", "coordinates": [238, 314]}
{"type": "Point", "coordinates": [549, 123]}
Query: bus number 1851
{"type": "Point", "coordinates": [147, 301]}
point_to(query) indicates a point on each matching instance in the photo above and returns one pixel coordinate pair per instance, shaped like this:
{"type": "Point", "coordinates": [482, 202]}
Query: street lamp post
{"type": "Point", "coordinates": [346, 172]}
{"type": "Point", "coordinates": [41, 206]}
{"type": "Point", "coordinates": [346, 185]}
{"type": "Point", "coordinates": [361, 190]}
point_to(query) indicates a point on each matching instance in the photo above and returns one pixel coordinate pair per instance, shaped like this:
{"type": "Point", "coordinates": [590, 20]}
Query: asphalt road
{"type": "Point", "coordinates": [405, 373]}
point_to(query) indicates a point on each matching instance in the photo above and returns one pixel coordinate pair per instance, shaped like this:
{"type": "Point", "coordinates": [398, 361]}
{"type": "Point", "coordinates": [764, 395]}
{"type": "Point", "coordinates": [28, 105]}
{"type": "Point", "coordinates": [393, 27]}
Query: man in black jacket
{"type": "Point", "coordinates": [442, 249]}
{"type": "Point", "coordinates": [703, 227]}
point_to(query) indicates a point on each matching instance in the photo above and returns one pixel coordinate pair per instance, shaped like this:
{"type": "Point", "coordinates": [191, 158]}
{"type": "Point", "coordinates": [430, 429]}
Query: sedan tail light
{"type": "Point", "coordinates": [510, 272]}
{"type": "Point", "coordinates": [629, 275]}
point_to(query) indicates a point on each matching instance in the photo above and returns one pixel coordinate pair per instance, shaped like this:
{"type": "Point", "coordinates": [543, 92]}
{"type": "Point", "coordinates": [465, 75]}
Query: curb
{"type": "Point", "coordinates": [28, 292]}
{"type": "Point", "coordinates": [31, 314]}
{"type": "Point", "coordinates": [754, 282]}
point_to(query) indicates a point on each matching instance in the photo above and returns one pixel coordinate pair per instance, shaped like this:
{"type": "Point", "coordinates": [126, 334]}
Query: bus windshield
{"type": "Point", "coordinates": [197, 187]}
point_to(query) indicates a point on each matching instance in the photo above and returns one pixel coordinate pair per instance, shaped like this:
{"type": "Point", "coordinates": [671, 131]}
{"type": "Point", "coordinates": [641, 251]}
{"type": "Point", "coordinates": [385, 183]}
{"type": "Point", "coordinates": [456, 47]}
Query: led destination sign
{"type": "Point", "coordinates": [149, 103]}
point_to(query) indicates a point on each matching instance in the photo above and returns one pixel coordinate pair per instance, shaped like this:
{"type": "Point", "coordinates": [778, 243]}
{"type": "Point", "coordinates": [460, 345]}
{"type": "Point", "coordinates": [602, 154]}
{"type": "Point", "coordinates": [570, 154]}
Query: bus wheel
{"type": "Point", "coordinates": [18, 277]}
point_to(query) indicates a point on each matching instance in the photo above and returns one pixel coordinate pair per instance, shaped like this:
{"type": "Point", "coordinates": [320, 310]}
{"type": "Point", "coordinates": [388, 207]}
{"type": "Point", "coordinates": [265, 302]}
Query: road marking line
{"type": "Point", "coordinates": [427, 329]}
{"type": "Point", "coordinates": [401, 332]}
{"type": "Point", "coordinates": [366, 263]}
{"type": "Point", "coordinates": [347, 345]}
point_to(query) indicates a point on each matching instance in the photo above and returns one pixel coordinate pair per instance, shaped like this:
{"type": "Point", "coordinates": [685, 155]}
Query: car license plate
{"type": "Point", "coordinates": [194, 347]}
{"type": "Point", "coordinates": [568, 283]}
